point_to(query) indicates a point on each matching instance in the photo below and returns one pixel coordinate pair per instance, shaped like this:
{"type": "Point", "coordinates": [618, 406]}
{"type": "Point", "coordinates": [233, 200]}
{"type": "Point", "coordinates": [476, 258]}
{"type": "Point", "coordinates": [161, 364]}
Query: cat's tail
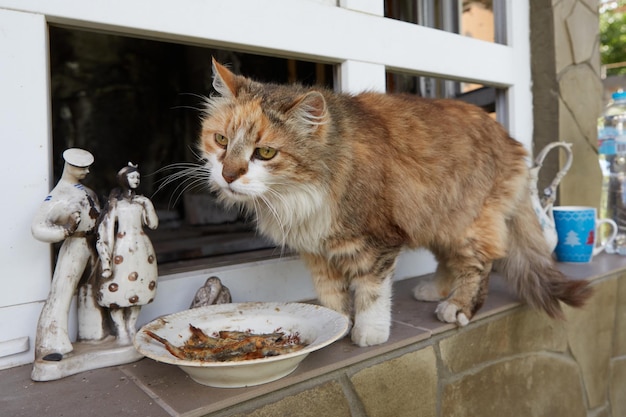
{"type": "Point", "coordinates": [532, 271]}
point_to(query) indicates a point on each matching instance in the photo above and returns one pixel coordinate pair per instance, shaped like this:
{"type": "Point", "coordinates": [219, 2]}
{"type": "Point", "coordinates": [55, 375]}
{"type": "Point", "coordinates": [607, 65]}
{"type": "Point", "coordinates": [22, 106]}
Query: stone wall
{"type": "Point", "coordinates": [518, 363]}
{"type": "Point", "coordinates": [568, 92]}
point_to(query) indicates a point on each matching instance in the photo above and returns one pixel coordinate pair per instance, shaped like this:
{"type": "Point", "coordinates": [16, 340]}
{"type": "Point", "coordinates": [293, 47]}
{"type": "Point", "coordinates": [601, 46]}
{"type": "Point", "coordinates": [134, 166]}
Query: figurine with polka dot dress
{"type": "Point", "coordinates": [128, 261]}
{"type": "Point", "coordinates": [105, 261]}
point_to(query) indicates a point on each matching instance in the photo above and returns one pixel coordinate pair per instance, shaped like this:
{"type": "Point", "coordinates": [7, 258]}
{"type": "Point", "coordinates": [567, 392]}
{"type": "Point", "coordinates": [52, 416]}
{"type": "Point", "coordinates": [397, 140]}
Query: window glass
{"type": "Point", "coordinates": [127, 99]}
{"type": "Point", "coordinates": [480, 95]}
{"type": "Point", "coordinates": [473, 18]}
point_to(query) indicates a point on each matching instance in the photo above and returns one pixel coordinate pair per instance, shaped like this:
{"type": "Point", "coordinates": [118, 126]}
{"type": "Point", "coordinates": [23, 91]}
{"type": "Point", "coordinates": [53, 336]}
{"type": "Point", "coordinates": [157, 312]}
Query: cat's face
{"type": "Point", "coordinates": [242, 154]}
{"type": "Point", "coordinates": [259, 140]}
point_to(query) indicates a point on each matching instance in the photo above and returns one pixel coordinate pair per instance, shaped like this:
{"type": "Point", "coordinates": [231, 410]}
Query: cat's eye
{"type": "Point", "coordinates": [265, 153]}
{"type": "Point", "coordinates": [221, 140]}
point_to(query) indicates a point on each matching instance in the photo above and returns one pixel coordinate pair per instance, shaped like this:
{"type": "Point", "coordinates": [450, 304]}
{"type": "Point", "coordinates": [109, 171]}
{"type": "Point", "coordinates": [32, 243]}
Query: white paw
{"type": "Point", "coordinates": [364, 335]}
{"type": "Point", "coordinates": [426, 290]}
{"type": "Point", "coordinates": [371, 327]}
{"type": "Point", "coordinates": [450, 313]}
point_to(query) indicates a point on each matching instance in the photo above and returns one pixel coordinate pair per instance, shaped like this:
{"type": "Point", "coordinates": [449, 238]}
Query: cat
{"type": "Point", "coordinates": [349, 181]}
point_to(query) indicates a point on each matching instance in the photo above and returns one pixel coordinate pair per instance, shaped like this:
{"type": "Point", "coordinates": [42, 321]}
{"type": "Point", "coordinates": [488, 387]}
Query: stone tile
{"type": "Point", "coordinates": [581, 91]}
{"type": "Point", "coordinates": [103, 392]}
{"type": "Point", "coordinates": [582, 27]}
{"type": "Point", "coordinates": [591, 4]}
{"type": "Point", "coordinates": [595, 60]}
{"type": "Point", "coordinates": [619, 343]}
{"type": "Point", "coordinates": [521, 331]}
{"type": "Point", "coordinates": [405, 386]}
{"type": "Point", "coordinates": [325, 400]}
{"type": "Point", "coordinates": [181, 393]}
{"type": "Point", "coordinates": [563, 49]}
{"type": "Point", "coordinates": [617, 385]}
{"type": "Point", "coordinates": [524, 386]}
{"type": "Point", "coordinates": [501, 297]}
{"type": "Point", "coordinates": [407, 310]}
{"type": "Point", "coordinates": [603, 412]}
{"type": "Point", "coordinates": [585, 171]}
{"type": "Point", "coordinates": [602, 265]}
{"type": "Point", "coordinates": [185, 396]}
{"type": "Point", "coordinates": [590, 337]}
{"type": "Point", "coordinates": [344, 352]}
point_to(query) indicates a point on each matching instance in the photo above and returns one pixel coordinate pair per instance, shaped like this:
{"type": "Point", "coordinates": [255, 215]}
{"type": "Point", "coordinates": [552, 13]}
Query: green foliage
{"type": "Point", "coordinates": [613, 36]}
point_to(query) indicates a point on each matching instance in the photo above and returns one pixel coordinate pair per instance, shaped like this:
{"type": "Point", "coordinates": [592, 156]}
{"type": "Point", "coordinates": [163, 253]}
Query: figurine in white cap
{"type": "Point", "coordinates": [69, 214]}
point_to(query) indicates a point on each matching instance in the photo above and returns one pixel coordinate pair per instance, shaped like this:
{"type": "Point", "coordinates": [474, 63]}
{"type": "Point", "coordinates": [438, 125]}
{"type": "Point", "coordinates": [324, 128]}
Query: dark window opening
{"type": "Point", "coordinates": [128, 99]}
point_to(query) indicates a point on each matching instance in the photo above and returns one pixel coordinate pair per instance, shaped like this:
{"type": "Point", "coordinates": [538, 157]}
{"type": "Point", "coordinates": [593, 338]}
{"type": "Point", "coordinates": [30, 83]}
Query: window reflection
{"type": "Point", "coordinates": [128, 99]}
{"type": "Point", "coordinates": [472, 18]}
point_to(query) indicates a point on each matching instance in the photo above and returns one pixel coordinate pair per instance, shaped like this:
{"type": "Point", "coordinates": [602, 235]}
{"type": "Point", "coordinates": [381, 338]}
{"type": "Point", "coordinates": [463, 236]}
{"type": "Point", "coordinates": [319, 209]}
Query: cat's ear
{"type": "Point", "coordinates": [224, 81]}
{"type": "Point", "coordinates": [309, 111]}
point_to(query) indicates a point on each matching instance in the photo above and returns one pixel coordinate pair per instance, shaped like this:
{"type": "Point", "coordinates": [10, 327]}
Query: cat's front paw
{"type": "Point", "coordinates": [449, 312]}
{"type": "Point", "coordinates": [368, 335]}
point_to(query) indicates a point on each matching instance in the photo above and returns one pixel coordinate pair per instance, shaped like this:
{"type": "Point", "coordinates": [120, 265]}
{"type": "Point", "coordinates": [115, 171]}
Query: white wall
{"type": "Point", "coordinates": [24, 174]}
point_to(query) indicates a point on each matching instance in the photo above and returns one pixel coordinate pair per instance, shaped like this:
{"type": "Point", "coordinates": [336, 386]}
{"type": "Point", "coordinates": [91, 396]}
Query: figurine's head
{"type": "Point", "coordinates": [77, 162]}
{"type": "Point", "coordinates": [129, 177]}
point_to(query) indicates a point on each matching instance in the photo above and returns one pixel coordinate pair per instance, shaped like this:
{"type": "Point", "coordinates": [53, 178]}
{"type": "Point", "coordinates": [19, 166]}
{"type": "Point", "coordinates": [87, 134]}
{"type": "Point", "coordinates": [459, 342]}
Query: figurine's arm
{"type": "Point", "coordinates": [150, 217]}
{"type": "Point", "coordinates": [105, 241]}
{"type": "Point", "coordinates": [55, 221]}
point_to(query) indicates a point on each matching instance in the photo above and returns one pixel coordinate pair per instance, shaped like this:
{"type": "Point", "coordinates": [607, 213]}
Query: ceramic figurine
{"type": "Point", "coordinates": [70, 214]}
{"type": "Point", "coordinates": [212, 292]}
{"type": "Point", "coordinates": [128, 261]}
{"type": "Point", "coordinates": [543, 205]}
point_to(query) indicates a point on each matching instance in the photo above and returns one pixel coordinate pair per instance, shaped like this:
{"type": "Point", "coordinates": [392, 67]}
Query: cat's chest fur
{"type": "Point", "coordinates": [301, 219]}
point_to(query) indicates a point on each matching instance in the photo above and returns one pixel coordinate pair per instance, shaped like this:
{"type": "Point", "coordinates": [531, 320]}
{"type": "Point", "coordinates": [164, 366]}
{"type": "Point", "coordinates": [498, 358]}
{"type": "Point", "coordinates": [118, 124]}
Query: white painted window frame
{"type": "Point", "coordinates": [352, 35]}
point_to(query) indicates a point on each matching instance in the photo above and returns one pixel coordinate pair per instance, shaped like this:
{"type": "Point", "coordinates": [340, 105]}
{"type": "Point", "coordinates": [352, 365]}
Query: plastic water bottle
{"type": "Point", "coordinates": [612, 156]}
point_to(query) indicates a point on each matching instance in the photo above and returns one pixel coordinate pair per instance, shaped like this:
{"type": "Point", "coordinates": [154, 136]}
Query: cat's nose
{"type": "Point", "coordinates": [231, 175]}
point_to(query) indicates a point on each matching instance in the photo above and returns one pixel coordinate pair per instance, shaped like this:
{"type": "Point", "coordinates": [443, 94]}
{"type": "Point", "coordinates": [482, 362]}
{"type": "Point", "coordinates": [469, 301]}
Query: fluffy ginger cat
{"type": "Point", "coordinates": [350, 180]}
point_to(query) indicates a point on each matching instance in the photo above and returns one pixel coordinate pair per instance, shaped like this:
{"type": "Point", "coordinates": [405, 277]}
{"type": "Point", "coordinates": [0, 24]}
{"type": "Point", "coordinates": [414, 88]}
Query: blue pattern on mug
{"type": "Point", "coordinates": [576, 232]}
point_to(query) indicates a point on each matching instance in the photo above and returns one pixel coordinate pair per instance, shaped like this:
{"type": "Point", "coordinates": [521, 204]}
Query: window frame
{"type": "Point", "coordinates": [306, 29]}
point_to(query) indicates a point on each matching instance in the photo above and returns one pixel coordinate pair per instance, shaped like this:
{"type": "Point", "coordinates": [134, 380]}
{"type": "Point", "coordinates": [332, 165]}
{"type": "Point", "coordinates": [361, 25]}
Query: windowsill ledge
{"type": "Point", "coordinates": [150, 388]}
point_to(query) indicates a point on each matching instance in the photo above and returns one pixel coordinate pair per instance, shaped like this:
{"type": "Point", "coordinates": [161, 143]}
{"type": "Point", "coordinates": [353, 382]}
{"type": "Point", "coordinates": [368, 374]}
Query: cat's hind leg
{"type": "Point", "coordinates": [469, 262]}
{"type": "Point", "coordinates": [468, 296]}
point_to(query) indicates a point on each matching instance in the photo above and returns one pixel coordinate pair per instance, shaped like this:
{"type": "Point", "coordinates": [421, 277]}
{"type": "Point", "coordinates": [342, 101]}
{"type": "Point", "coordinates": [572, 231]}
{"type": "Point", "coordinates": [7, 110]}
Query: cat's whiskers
{"type": "Point", "coordinates": [286, 222]}
{"type": "Point", "coordinates": [198, 183]}
{"type": "Point", "coordinates": [254, 210]}
{"type": "Point", "coordinates": [191, 175]}
{"type": "Point", "coordinates": [275, 214]}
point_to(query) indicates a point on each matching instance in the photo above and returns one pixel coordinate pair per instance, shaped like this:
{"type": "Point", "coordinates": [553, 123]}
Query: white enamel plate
{"type": "Point", "coordinates": [316, 326]}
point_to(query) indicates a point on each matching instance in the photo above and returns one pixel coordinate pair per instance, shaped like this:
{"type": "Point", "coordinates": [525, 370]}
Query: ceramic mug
{"type": "Point", "coordinates": [577, 228]}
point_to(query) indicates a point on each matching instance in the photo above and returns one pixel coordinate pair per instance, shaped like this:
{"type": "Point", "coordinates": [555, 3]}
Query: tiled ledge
{"type": "Point", "coordinates": [148, 388]}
